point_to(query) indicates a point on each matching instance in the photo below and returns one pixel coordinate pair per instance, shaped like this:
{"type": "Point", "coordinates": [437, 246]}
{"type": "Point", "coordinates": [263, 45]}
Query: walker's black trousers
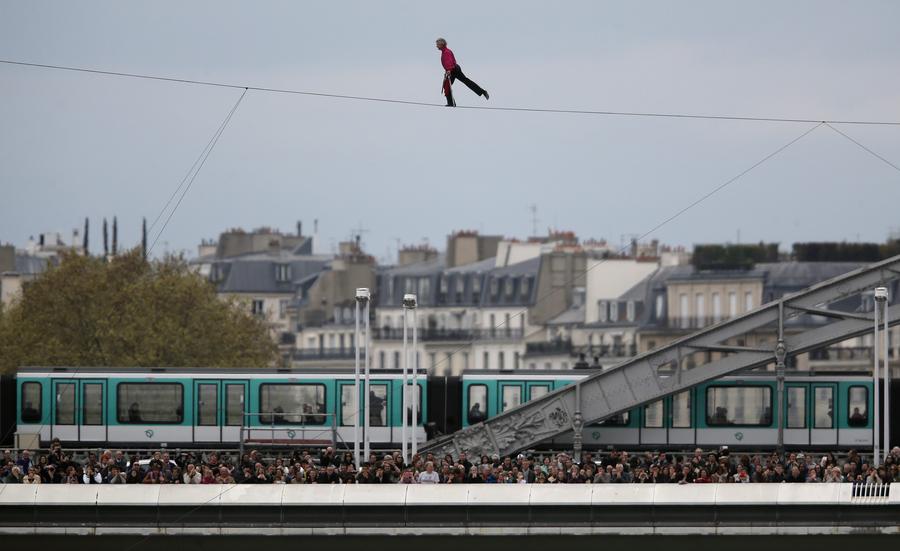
{"type": "Point", "coordinates": [456, 73]}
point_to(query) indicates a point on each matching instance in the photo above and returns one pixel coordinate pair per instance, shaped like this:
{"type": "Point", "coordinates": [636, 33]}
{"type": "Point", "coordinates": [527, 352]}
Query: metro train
{"type": "Point", "coordinates": [211, 408]}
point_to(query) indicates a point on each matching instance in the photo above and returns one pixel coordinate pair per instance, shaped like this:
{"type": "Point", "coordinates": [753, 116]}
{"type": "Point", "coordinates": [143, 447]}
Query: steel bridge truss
{"type": "Point", "coordinates": [664, 371]}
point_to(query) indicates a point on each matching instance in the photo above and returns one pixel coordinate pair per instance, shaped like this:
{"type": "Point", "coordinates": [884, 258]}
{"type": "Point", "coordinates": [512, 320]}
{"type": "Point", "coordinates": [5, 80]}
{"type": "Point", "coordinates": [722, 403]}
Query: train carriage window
{"type": "Point", "coordinates": [739, 405]}
{"type": "Point", "coordinates": [858, 406]}
{"type": "Point", "coordinates": [378, 405]}
{"type": "Point", "coordinates": [653, 415]}
{"type": "Point", "coordinates": [537, 391]}
{"type": "Point", "coordinates": [150, 403]}
{"type": "Point", "coordinates": [824, 407]}
{"type": "Point", "coordinates": [796, 407]}
{"type": "Point", "coordinates": [31, 402]}
{"type": "Point", "coordinates": [681, 410]}
{"type": "Point", "coordinates": [347, 402]}
{"type": "Point", "coordinates": [292, 404]}
{"type": "Point", "coordinates": [207, 404]}
{"type": "Point", "coordinates": [65, 404]}
{"type": "Point", "coordinates": [619, 420]}
{"type": "Point", "coordinates": [478, 404]}
{"type": "Point", "coordinates": [418, 396]}
{"type": "Point", "coordinates": [92, 404]}
{"type": "Point", "coordinates": [234, 404]}
{"type": "Point", "coordinates": [512, 397]}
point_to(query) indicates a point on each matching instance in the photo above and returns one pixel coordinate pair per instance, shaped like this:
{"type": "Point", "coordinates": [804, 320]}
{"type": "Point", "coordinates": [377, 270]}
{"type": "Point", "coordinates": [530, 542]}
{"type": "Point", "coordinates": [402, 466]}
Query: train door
{"type": "Point", "coordinates": [824, 430]}
{"type": "Point", "coordinates": [653, 423]}
{"type": "Point", "coordinates": [682, 429]}
{"type": "Point", "coordinates": [511, 395]}
{"type": "Point", "coordinates": [536, 390]}
{"type": "Point", "coordinates": [207, 411]}
{"type": "Point", "coordinates": [64, 413]}
{"type": "Point", "coordinates": [92, 419]}
{"type": "Point", "coordinates": [234, 409]}
{"type": "Point", "coordinates": [796, 412]}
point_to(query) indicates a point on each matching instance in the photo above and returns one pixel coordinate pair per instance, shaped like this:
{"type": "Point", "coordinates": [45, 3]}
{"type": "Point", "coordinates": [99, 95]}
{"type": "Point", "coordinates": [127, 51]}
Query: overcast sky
{"type": "Point", "coordinates": [75, 145]}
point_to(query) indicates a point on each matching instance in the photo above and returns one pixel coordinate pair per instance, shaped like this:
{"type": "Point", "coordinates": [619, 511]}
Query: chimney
{"type": "Point", "coordinates": [299, 228]}
{"type": "Point", "coordinates": [634, 248]}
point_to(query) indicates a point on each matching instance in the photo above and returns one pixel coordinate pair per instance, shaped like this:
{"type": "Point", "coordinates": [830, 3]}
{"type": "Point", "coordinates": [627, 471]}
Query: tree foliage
{"type": "Point", "coordinates": [733, 257]}
{"type": "Point", "coordinates": [128, 313]}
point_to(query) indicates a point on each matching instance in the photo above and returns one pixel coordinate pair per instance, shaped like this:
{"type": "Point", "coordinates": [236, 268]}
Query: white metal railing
{"type": "Point", "coordinates": [319, 429]}
{"type": "Point", "coordinates": [870, 493]}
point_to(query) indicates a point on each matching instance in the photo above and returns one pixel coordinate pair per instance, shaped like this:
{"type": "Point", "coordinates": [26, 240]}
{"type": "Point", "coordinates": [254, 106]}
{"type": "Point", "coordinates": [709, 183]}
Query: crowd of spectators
{"type": "Point", "coordinates": [326, 466]}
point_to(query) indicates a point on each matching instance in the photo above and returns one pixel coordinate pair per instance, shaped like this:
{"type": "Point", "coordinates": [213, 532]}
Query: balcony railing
{"type": "Point", "coordinates": [561, 346]}
{"type": "Point", "coordinates": [502, 333]}
{"type": "Point", "coordinates": [321, 354]}
{"type": "Point", "coordinates": [845, 353]}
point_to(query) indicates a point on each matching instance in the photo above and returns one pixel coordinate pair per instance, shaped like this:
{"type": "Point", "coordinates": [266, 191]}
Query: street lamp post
{"type": "Point", "coordinates": [409, 303]}
{"type": "Point", "coordinates": [362, 302]}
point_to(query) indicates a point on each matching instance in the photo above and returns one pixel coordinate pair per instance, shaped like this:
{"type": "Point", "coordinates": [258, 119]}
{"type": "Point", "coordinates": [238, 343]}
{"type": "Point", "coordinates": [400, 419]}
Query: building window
{"type": "Point", "coordinates": [424, 289]}
{"type": "Point", "coordinates": [31, 402]}
{"type": "Point", "coordinates": [858, 406]}
{"type": "Point", "coordinates": [257, 307]}
{"type": "Point", "coordinates": [748, 301]}
{"type": "Point", "coordinates": [409, 285]}
{"type": "Point", "coordinates": [510, 287]}
{"type": "Point", "coordinates": [282, 272]}
{"type": "Point", "coordinates": [603, 314]}
{"type": "Point", "coordinates": [500, 361]}
{"type": "Point", "coordinates": [150, 403]}
{"type": "Point", "coordinates": [732, 304]}
{"type": "Point", "coordinates": [465, 360]}
{"type": "Point", "coordinates": [629, 310]}
{"type": "Point", "coordinates": [739, 405]}
{"type": "Point", "coordinates": [700, 301]}
{"type": "Point", "coordinates": [292, 404]}
{"type": "Point", "coordinates": [526, 287]}
{"type": "Point", "coordinates": [660, 306]}
{"type": "Point", "coordinates": [717, 307]}
{"type": "Point", "coordinates": [397, 360]}
{"type": "Point", "coordinates": [516, 358]}
{"type": "Point", "coordinates": [444, 284]}
{"type": "Point", "coordinates": [614, 311]}
{"type": "Point", "coordinates": [495, 287]}
{"type": "Point", "coordinates": [432, 358]}
{"type": "Point", "coordinates": [684, 312]}
{"type": "Point", "coordinates": [282, 307]}
{"type": "Point", "coordinates": [476, 287]}
{"type": "Point", "coordinates": [380, 360]}
{"type": "Point", "coordinates": [487, 361]}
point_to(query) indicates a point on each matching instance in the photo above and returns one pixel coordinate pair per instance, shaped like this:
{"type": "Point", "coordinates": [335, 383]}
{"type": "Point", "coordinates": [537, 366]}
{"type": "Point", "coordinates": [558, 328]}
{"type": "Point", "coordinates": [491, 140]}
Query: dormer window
{"type": "Point", "coordinates": [495, 287]}
{"type": "Point", "coordinates": [282, 272]}
{"type": "Point", "coordinates": [603, 314]}
{"type": "Point", "coordinates": [629, 310]}
{"type": "Point", "coordinates": [525, 288]}
{"type": "Point", "coordinates": [613, 311]}
{"type": "Point", "coordinates": [476, 286]}
{"type": "Point", "coordinates": [510, 287]}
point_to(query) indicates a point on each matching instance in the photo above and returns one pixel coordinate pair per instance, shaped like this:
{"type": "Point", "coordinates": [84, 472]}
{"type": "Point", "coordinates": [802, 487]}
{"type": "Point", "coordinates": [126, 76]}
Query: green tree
{"type": "Point", "coordinates": [129, 313]}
